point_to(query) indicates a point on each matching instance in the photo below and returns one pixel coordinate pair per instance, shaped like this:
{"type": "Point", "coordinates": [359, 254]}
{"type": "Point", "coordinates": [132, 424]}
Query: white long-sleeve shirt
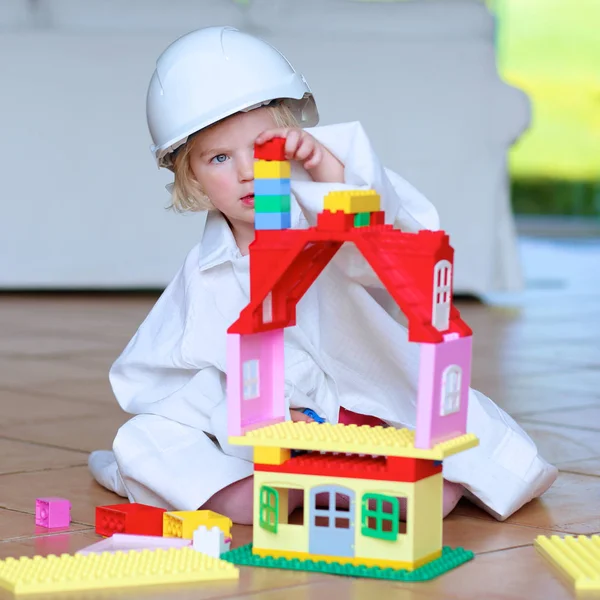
{"type": "Point", "coordinates": [347, 349]}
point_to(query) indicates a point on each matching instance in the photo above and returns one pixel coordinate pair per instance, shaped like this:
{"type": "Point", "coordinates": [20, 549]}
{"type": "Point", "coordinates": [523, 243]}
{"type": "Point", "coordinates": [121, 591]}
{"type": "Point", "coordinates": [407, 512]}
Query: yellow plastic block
{"type": "Point", "coordinates": [325, 437]}
{"type": "Point", "coordinates": [40, 575]}
{"type": "Point", "coordinates": [353, 201]}
{"type": "Point", "coordinates": [271, 456]}
{"type": "Point", "coordinates": [578, 557]}
{"type": "Point", "coordinates": [183, 523]}
{"type": "Point", "coordinates": [272, 169]}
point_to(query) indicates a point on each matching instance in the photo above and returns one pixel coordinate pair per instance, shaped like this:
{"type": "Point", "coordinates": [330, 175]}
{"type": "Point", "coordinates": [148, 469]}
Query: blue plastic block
{"type": "Point", "coordinates": [313, 415]}
{"type": "Point", "coordinates": [271, 187]}
{"type": "Point", "coordinates": [276, 221]}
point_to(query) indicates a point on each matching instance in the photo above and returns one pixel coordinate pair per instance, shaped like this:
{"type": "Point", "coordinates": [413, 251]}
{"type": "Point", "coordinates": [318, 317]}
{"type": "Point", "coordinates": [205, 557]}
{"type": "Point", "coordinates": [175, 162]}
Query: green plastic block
{"type": "Point", "coordinates": [272, 204]}
{"type": "Point", "coordinates": [362, 219]}
{"type": "Point", "coordinates": [450, 559]}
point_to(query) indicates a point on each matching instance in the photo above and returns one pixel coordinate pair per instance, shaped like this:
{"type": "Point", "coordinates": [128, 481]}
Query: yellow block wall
{"type": "Point", "coordinates": [423, 535]}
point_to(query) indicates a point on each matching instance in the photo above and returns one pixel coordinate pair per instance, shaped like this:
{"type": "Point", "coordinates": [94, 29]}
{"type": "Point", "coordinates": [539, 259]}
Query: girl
{"type": "Point", "coordinates": [214, 94]}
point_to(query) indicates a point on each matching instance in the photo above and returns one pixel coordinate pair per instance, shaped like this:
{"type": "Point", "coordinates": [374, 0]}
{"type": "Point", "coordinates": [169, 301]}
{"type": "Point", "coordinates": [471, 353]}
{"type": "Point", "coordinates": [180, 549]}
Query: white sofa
{"type": "Point", "coordinates": [84, 205]}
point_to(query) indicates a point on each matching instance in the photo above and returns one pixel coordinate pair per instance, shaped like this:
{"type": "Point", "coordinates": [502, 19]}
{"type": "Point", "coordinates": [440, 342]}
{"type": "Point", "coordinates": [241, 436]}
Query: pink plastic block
{"type": "Point", "coordinates": [264, 402]}
{"type": "Point", "coordinates": [52, 512]}
{"type": "Point", "coordinates": [444, 381]}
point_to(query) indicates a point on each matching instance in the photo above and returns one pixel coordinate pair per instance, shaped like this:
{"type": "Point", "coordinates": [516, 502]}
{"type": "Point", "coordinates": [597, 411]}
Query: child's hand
{"type": "Point", "coordinates": [301, 146]}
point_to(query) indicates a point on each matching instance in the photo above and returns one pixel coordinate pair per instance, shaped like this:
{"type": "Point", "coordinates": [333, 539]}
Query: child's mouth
{"type": "Point", "coordinates": [248, 200]}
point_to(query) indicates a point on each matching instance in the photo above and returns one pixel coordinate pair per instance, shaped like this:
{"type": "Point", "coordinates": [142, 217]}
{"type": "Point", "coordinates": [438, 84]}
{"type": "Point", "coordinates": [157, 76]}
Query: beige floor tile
{"type": "Point", "coordinates": [560, 444]}
{"type": "Point", "coordinates": [583, 418]}
{"type": "Point", "coordinates": [487, 535]}
{"type": "Point", "coordinates": [570, 506]}
{"type": "Point", "coordinates": [92, 391]}
{"type": "Point", "coordinates": [18, 525]}
{"type": "Point", "coordinates": [21, 457]}
{"type": "Point", "coordinates": [78, 433]}
{"type": "Point", "coordinates": [591, 466]}
{"type": "Point", "coordinates": [19, 491]}
{"type": "Point", "coordinates": [517, 573]}
{"type": "Point", "coordinates": [20, 406]}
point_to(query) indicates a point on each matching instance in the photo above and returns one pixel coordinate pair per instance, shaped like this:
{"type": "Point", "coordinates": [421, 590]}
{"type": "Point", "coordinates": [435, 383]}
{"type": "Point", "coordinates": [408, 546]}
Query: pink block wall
{"type": "Point", "coordinates": [269, 407]}
{"type": "Point", "coordinates": [432, 428]}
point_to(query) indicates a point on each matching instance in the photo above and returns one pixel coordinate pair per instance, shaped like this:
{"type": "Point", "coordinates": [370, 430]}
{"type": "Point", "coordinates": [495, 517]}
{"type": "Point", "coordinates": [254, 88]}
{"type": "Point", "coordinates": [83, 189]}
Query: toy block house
{"type": "Point", "coordinates": [372, 495]}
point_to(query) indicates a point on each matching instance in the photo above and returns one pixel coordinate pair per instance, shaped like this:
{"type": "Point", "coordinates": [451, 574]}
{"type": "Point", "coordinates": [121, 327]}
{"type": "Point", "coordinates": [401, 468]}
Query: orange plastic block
{"type": "Point", "coordinates": [139, 519]}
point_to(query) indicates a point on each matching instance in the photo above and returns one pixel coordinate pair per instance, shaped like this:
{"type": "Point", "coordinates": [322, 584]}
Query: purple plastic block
{"type": "Point", "coordinates": [52, 512]}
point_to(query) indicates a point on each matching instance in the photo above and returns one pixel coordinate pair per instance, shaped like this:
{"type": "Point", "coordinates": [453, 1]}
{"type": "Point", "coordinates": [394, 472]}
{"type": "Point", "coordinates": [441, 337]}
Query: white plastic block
{"type": "Point", "coordinates": [124, 542]}
{"type": "Point", "coordinates": [211, 542]}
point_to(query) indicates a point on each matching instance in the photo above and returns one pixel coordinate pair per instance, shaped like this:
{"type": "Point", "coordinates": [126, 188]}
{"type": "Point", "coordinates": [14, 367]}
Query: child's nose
{"type": "Point", "coordinates": [246, 169]}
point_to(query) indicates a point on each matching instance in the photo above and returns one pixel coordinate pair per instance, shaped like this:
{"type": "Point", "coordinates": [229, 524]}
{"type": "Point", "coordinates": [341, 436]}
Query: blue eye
{"type": "Point", "coordinates": [219, 158]}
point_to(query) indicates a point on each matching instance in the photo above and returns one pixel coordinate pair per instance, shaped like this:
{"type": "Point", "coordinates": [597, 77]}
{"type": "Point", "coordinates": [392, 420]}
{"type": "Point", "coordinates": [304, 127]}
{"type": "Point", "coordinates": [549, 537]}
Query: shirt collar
{"type": "Point", "coordinates": [218, 244]}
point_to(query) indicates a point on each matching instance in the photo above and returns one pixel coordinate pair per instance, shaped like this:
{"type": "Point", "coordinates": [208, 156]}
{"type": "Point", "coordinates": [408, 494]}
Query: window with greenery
{"type": "Point", "coordinates": [380, 516]}
{"type": "Point", "coordinates": [269, 508]}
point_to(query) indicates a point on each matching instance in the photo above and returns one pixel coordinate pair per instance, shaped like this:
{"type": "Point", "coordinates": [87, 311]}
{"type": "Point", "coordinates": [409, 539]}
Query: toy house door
{"type": "Point", "coordinates": [331, 528]}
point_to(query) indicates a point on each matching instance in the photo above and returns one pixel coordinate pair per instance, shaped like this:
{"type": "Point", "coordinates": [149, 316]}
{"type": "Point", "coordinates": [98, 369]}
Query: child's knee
{"type": "Point", "coordinates": [453, 492]}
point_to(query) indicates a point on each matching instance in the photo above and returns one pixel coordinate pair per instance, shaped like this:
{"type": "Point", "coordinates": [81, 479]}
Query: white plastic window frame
{"type": "Point", "coordinates": [450, 390]}
{"type": "Point", "coordinates": [442, 295]}
{"type": "Point", "coordinates": [251, 379]}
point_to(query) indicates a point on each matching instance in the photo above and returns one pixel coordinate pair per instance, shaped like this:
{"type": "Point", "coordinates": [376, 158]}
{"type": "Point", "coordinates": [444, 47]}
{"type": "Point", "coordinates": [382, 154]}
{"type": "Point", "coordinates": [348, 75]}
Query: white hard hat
{"type": "Point", "coordinates": [211, 73]}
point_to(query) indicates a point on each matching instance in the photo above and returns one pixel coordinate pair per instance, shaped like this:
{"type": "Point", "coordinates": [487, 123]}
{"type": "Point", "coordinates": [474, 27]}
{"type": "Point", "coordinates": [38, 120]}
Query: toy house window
{"type": "Point", "coordinates": [442, 292]}
{"type": "Point", "coordinates": [251, 379]}
{"type": "Point", "coordinates": [450, 392]}
{"type": "Point", "coordinates": [380, 516]}
{"type": "Point", "coordinates": [267, 308]}
{"type": "Point", "coordinates": [269, 508]}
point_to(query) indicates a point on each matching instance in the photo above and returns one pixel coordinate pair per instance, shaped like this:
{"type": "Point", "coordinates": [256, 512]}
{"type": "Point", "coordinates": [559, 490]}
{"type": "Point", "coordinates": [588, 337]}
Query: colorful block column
{"type": "Point", "coordinates": [272, 200]}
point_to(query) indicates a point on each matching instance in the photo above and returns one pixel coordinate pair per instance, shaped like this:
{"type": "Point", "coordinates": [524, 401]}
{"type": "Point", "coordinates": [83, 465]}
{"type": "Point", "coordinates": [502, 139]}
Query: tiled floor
{"type": "Point", "coordinates": [537, 354]}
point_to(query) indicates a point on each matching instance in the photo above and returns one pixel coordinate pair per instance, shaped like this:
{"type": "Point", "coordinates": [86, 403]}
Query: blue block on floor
{"type": "Point", "coordinates": [271, 187]}
{"type": "Point", "coordinates": [272, 220]}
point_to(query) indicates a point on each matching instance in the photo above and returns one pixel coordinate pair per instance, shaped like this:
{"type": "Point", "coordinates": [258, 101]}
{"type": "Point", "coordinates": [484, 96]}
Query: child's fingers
{"type": "Point", "coordinates": [315, 159]}
{"type": "Point", "coordinates": [305, 148]}
{"type": "Point", "coordinates": [269, 134]}
{"type": "Point", "coordinates": [291, 144]}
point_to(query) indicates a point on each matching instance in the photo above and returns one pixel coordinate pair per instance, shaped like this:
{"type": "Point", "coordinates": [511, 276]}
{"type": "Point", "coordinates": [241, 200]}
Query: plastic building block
{"type": "Point", "coordinates": [43, 575]}
{"type": "Point", "coordinates": [377, 218]}
{"type": "Point", "coordinates": [577, 557]}
{"type": "Point", "coordinates": [335, 221]}
{"type": "Point", "coordinates": [284, 264]}
{"type": "Point", "coordinates": [272, 204]}
{"type": "Point", "coordinates": [325, 437]}
{"type": "Point", "coordinates": [443, 397]}
{"type": "Point", "coordinates": [450, 559]}
{"type": "Point", "coordinates": [353, 201]}
{"type": "Point", "coordinates": [272, 187]}
{"type": "Point", "coordinates": [313, 415]}
{"type": "Point", "coordinates": [362, 219]}
{"type": "Point", "coordinates": [182, 524]}
{"type": "Point", "coordinates": [274, 169]}
{"type": "Point", "coordinates": [52, 512]}
{"type": "Point", "coordinates": [375, 468]}
{"type": "Point", "coordinates": [271, 456]}
{"type": "Point", "coordinates": [134, 518]}
{"type": "Point", "coordinates": [272, 150]}
{"type": "Point", "coordinates": [211, 541]}
{"type": "Point", "coordinates": [272, 220]}
{"type": "Point", "coordinates": [123, 542]}
{"type": "Point", "coordinates": [257, 395]}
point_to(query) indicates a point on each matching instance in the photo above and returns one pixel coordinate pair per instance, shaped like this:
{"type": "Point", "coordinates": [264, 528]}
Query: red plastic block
{"type": "Point", "coordinates": [139, 519]}
{"type": "Point", "coordinates": [377, 218]}
{"type": "Point", "coordinates": [335, 221]}
{"type": "Point", "coordinates": [379, 468]}
{"type": "Point", "coordinates": [272, 150]}
{"type": "Point", "coordinates": [284, 264]}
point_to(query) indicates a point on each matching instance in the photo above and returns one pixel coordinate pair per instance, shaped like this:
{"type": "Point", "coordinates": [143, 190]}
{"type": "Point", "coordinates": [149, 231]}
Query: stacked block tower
{"type": "Point", "coordinates": [372, 495]}
{"type": "Point", "coordinates": [272, 199]}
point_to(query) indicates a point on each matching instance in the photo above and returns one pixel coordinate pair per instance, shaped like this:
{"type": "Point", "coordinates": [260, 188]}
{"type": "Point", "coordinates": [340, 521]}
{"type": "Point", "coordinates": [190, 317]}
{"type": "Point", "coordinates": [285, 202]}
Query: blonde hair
{"type": "Point", "coordinates": [187, 195]}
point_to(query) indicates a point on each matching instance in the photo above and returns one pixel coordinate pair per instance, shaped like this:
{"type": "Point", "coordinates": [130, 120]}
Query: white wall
{"type": "Point", "coordinates": [83, 203]}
